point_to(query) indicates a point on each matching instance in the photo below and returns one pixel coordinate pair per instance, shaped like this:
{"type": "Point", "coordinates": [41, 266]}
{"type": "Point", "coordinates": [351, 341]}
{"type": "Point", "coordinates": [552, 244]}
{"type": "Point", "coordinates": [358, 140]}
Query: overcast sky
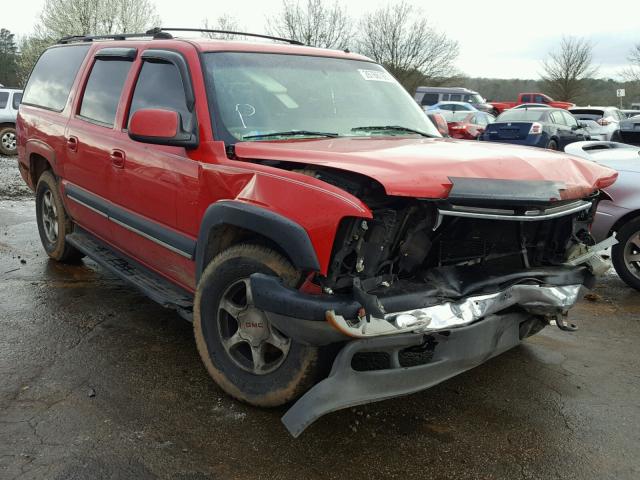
{"type": "Point", "coordinates": [498, 38]}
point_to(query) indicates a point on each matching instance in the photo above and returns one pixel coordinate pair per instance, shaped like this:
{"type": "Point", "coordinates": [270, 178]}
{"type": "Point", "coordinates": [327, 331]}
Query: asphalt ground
{"type": "Point", "coordinates": [98, 382]}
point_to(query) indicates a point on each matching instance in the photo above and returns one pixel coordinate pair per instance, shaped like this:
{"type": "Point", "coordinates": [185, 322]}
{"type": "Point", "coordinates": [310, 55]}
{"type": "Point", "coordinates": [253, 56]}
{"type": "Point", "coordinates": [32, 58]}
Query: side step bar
{"type": "Point", "coordinates": [148, 282]}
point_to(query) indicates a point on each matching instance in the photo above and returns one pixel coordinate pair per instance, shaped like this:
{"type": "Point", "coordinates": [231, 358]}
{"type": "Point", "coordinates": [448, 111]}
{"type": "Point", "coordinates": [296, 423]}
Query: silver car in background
{"type": "Point", "coordinates": [620, 212]}
{"type": "Point", "coordinates": [602, 123]}
{"type": "Point", "coordinates": [9, 102]}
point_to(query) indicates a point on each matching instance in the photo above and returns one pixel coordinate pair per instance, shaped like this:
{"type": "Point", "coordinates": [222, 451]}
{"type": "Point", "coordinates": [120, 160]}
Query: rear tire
{"type": "Point", "coordinates": [625, 256]}
{"type": "Point", "coordinates": [53, 222]}
{"type": "Point", "coordinates": [8, 141]}
{"type": "Point", "coordinates": [552, 145]}
{"type": "Point", "coordinates": [246, 356]}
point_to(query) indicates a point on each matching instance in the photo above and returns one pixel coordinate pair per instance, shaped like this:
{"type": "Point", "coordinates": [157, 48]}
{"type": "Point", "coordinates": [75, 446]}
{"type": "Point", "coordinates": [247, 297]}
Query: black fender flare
{"type": "Point", "coordinates": [287, 234]}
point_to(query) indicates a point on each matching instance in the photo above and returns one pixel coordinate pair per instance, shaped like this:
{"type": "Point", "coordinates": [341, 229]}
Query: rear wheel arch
{"type": "Point", "coordinates": [37, 166]}
{"type": "Point", "coordinates": [228, 223]}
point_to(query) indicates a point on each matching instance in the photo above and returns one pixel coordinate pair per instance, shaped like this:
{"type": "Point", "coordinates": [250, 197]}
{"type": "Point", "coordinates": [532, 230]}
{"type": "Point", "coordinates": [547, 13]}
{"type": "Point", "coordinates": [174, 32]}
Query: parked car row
{"type": "Point", "coordinates": [544, 123]}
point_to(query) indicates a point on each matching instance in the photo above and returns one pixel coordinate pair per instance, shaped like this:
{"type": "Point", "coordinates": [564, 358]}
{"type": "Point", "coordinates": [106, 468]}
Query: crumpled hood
{"type": "Point", "coordinates": [423, 167]}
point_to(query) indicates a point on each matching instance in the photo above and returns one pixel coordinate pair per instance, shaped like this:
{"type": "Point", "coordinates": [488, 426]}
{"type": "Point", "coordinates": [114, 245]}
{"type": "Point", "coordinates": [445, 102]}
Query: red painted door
{"type": "Point", "coordinates": [156, 184]}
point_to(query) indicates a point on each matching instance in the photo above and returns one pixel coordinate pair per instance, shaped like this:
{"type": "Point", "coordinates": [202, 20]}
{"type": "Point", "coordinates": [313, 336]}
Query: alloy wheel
{"type": "Point", "coordinates": [632, 254]}
{"type": "Point", "coordinates": [49, 217]}
{"type": "Point", "coordinates": [247, 337]}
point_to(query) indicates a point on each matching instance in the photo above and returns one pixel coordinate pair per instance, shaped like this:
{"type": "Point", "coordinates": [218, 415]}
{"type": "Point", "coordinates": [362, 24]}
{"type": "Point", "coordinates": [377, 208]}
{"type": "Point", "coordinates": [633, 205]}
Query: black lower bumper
{"type": "Point", "coordinates": [458, 350]}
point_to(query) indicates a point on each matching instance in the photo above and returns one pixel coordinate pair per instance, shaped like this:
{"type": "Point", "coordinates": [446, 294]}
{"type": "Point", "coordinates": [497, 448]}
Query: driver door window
{"type": "Point", "coordinates": [160, 86]}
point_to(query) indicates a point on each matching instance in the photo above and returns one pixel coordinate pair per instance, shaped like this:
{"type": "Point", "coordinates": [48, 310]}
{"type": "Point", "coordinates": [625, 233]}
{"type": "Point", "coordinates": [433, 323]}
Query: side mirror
{"type": "Point", "coordinates": [160, 127]}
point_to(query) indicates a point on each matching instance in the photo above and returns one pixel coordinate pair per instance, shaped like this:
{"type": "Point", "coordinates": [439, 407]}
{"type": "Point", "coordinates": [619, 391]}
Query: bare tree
{"type": "Point", "coordinates": [313, 22]}
{"type": "Point", "coordinates": [225, 23]}
{"type": "Point", "coordinates": [632, 73]}
{"type": "Point", "coordinates": [399, 37]}
{"type": "Point", "coordinates": [566, 68]}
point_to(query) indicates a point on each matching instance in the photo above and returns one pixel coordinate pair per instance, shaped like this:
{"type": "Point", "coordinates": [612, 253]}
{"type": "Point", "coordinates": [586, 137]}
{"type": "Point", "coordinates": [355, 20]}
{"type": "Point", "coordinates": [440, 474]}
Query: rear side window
{"type": "Point", "coordinates": [17, 98]}
{"type": "Point", "coordinates": [557, 118]}
{"type": "Point", "coordinates": [4, 99]}
{"type": "Point", "coordinates": [53, 76]}
{"type": "Point", "coordinates": [569, 119]}
{"type": "Point", "coordinates": [160, 86]}
{"type": "Point", "coordinates": [455, 97]}
{"type": "Point", "coordinates": [525, 98]}
{"type": "Point", "coordinates": [103, 90]}
{"type": "Point", "coordinates": [429, 99]}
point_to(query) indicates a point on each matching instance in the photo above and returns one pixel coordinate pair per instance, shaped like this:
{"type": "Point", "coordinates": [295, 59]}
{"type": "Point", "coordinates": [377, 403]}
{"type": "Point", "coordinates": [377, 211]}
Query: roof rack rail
{"type": "Point", "coordinates": [163, 33]}
{"type": "Point", "coordinates": [225, 32]}
{"type": "Point", "coordinates": [90, 38]}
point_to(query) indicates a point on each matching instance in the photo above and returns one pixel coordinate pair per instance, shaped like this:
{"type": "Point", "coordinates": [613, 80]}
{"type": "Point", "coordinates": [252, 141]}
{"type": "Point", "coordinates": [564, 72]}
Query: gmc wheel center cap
{"type": "Point", "coordinates": [253, 326]}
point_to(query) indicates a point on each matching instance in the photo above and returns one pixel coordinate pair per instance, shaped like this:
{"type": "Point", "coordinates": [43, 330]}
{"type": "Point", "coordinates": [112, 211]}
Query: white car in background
{"type": "Point", "coordinates": [602, 123]}
{"type": "Point", "coordinates": [9, 102]}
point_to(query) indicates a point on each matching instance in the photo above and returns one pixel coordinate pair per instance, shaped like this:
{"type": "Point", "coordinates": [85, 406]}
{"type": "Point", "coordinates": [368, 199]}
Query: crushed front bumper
{"type": "Point", "coordinates": [450, 300]}
{"type": "Point", "coordinates": [460, 331]}
{"type": "Point", "coordinates": [453, 352]}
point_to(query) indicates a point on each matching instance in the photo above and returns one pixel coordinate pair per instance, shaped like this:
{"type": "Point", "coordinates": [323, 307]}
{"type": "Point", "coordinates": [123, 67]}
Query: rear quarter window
{"type": "Point", "coordinates": [4, 99]}
{"type": "Point", "coordinates": [17, 98]}
{"type": "Point", "coordinates": [52, 77]}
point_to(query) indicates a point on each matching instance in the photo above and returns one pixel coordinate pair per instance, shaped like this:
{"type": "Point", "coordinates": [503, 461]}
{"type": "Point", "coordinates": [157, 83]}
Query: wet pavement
{"type": "Point", "coordinates": [97, 382]}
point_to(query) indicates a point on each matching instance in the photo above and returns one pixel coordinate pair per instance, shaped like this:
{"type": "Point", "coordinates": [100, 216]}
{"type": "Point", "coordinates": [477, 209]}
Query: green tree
{"type": "Point", "coordinates": [8, 59]}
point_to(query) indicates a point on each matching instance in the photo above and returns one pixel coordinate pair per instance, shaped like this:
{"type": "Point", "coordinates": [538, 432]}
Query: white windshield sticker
{"type": "Point", "coordinates": [375, 75]}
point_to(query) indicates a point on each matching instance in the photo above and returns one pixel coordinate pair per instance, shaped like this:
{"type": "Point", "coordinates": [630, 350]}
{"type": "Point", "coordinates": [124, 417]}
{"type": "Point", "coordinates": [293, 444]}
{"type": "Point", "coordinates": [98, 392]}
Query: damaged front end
{"type": "Point", "coordinates": [458, 280]}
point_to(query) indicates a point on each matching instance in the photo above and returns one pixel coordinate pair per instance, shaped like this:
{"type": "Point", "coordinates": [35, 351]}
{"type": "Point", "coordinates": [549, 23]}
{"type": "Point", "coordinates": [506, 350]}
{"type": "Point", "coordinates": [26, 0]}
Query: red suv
{"type": "Point", "coordinates": [298, 206]}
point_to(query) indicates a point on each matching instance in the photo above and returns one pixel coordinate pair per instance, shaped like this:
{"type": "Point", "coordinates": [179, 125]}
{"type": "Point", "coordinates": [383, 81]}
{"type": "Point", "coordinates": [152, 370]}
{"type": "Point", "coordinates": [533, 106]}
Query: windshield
{"type": "Point", "coordinates": [521, 115]}
{"type": "Point", "coordinates": [475, 98]}
{"type": "Point", "coordinates": [259, 94]}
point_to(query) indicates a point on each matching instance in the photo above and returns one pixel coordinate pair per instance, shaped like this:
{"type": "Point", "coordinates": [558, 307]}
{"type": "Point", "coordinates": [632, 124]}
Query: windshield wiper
{"type": "Point", "coordinates": [292, 133]}
{"type": "Point", "coordinates": [397, 128]}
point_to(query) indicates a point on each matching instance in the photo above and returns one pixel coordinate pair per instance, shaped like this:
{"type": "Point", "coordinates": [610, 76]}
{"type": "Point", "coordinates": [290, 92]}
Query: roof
{"type": "Point", "coordinates": [11, 90]}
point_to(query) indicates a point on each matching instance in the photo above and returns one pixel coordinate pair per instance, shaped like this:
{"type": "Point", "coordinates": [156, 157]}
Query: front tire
{"type": "Point", "coordinates": [8, 141]}
{"type": "Point", "coordinates": [53, 222]}
{"type": "Point", "coordinates": [552, 145]}
{"type": "Point", "coordinates": [625, 256]}
{"type": "Point", "coordinates": [246, 356]}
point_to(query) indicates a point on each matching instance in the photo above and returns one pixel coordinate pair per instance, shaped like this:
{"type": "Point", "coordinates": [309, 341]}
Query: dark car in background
{"type": "Point", "coordinates": [630, 130]}
{"type": "Point", "coordinates": [551, 128]}
{"type": "Point", "coordinates": [428, 96]}
{"type": "Point", "coordinates": [467, 125]}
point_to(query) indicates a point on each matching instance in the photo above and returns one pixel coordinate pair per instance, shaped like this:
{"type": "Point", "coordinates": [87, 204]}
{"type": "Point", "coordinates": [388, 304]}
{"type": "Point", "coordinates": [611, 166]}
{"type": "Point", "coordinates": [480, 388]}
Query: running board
{"type": "Point", "coordinates": [148, 282]}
